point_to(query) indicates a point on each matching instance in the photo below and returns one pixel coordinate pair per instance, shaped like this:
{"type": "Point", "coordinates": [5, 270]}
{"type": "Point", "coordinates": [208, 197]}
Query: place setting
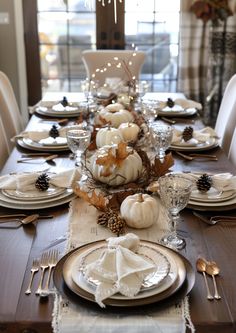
{"type": "Point", "coordinates": [147, 273]}
{"type": "Point", "coordinates": [212, 191]}
{"type": "Point", "coordinates": [37, 190]}
{"type": "Point", "coordinates": [63, 108]}
{"type": "Point", "coordinates": [191, 140]}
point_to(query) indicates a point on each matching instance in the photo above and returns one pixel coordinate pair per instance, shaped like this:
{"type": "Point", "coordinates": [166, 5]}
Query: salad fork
{"type": "Point", "coordinates": [43, 266]}
{"type": "Point", "coordinates": [34, 269]}
{"type": "Point", "coordinates": [52, 261]}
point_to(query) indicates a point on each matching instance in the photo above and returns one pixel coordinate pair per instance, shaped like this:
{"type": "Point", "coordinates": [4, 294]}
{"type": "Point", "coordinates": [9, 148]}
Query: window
{"type": "Point", "coordinates": [67, 27]}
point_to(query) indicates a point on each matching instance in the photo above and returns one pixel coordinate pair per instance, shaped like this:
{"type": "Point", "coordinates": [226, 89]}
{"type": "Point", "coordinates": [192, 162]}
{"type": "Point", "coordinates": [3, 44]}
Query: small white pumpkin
{"type": "Point", "coordinates": [139, 210]}
{"type": "Point", "coordinates": [129, 170]}
{"type": "Point", "coordinates": [115, 114]}
{"type": "Point", "coordinates": [108, 136]}
{"type": "Point", "coordinates": [129, 131]}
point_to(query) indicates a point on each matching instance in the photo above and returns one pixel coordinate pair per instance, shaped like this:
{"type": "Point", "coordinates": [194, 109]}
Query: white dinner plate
{"type": "Point", "coordinates": [38, 147]}
{"type": "Point", "coordinates": [51, 192]}
{"type": "Point", "coordinates": [209, 144]}
{"type": "Point", "coordinates": [51, 109]}
{"type": "Point", "coordinates": [177, 111]}
{"type": "Point", "coordinates": [64, 194]}
{"type": "Point", "coordinates": [33, 205]}
{"type": "Point", "coordinates": [213, 195]}
{"type": "Point", "coordinates": [151, 255]}
{"type": "Point", "coordinates": [177, 272]}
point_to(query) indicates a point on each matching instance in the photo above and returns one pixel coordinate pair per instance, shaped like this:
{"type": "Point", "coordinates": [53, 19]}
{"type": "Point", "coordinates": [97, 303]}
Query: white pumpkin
{"type": "Point", "coordinates": [129, 170]}
{"type": "Point", "coordinates": [108, 136]}
{"type": "Point", "coordinates": [115, 114]}
{"type": "Point", "coordinates": [129, 131]}
{"type": "Point", "coordinates": [139, 210]}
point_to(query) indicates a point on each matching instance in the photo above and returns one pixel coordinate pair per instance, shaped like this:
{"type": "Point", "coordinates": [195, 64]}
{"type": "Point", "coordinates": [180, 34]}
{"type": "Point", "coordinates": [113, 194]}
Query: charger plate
{"type": "Point", "coordinates": [179, 289]}
{"type": "Point", "coordinates": [213, 195]}
{"type": "Point", "coordinates": [180, 112]}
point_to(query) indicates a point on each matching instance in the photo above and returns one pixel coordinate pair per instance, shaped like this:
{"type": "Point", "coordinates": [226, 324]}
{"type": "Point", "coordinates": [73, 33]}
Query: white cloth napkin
{"type": "Point", "coordinates": [221, 181]}
{"type": "Point", "coordinates": [26, 181]}
{"type": "Point", "coordinates": [39, 135]}
{"type": "Point", "coordinates": [180, 104]}
{"type": "Point", "coordinates": [119, 269]}
{"type": "Point", "coordinates": [199, 136]}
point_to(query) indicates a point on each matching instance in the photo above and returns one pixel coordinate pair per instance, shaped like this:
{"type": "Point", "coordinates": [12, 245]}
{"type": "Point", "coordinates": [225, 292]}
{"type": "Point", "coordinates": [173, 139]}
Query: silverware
{"type": "Point", "coordinates": [58, 121]}
{"type": "Point", "coordinates": [212, 269]}
{"type": "Point", "coordinates": [201, 268]}
{"type": "Point", "coordinates": [34, 269]}
{"type": "Point", "coordinates": [167, 120]}
{"type": "Point", "coordinates": [52, 261]}
{"type": "Point", "coordinates": [214, 219]}
{"type": "Point", "coordinates": [43, 266]}
{"type": "Point", "coordinates": [192, 157]}
{"type": "Point", "coordinates": [24, 215]}
{"type": "Point", "coordinates": [35, 158]}
{"type": "Point", "coordinates": [21, 221]}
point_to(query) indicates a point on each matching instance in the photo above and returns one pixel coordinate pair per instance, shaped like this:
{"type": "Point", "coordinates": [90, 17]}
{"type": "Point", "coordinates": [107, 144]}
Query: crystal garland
{"type": "Point", "coordinates": [89, 4]}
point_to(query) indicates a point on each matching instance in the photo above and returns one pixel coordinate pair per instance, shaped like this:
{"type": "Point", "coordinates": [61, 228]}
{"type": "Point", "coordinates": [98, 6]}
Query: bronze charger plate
{"type": "Point", "coordinates": [172, 295]}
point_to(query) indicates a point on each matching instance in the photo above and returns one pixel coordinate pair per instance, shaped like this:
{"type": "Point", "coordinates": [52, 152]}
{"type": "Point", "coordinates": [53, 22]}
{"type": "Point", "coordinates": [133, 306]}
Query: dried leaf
{"type": "Point", "coordinates": [121, 152]}
{"type": "Point", "coordinates": [103, 121]}
{"type": "Point", "coordinates": [161, 168]}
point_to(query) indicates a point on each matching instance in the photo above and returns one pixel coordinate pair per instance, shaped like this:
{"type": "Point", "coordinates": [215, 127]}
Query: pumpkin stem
{"type": "Point", "coordinates": [140, 197]}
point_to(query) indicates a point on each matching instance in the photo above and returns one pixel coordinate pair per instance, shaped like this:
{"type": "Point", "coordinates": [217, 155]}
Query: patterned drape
{"type": "Point", "coordinates": [207, 59]}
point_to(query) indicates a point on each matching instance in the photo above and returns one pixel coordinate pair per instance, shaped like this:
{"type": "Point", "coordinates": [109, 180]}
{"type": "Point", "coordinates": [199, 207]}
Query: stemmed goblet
{"type": "Point", "coordinates": [174, 190]}
{"type": "Point", "coordinates": [150, 110]}
{"type": "Point", "coordinates": [78, 140]}
{"type": "Point", "coordinates": [161, 137]}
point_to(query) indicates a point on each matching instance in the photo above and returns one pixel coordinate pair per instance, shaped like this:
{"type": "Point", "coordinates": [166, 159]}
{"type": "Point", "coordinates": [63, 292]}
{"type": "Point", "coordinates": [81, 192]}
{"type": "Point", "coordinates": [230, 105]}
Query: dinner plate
{"type": "Point", "coordinates": [45, 142]}
{"type": "Point", "coordinates": [65, 193]}
{"type": "Point", "coordinates": [52, 109]}
{"type": "Point", "coordinates": [152, 288]}
{"type": "Point", "coordinates": [38, 147]}
{"type": "Point", "coordinates": [229, 204]}
{"type": "Point", "coordinates": [151, 255]}
{"type": "Point", "coordinates": [210, 144]}
{"type": "Point", "coordinates": [182, 264]}
{"type": "Point", "coordinates": [33, 205]}
{"type": "Point", "coordinates": [213, 195]}
{"type": "Point", "coordinates": [180, 112]}
{"type": "Point", "coordinates": [33, 195]}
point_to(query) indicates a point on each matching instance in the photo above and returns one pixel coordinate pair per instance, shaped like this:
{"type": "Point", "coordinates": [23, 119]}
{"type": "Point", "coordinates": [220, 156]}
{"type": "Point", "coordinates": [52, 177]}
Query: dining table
{"type": "Point", "coordinates": [20, 246]}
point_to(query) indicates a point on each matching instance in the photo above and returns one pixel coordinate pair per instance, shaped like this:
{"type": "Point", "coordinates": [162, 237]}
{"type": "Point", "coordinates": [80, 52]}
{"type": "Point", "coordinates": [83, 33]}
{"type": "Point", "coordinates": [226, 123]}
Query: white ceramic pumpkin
{"type": "Point", "coordinates": [108, 136]}
{"type": "Point", "coordinates": [139, 210]}
{"type": "Point", "coordinates": [127, 171]}
{"type": "Point", "coordinates": [129, 131]}
{"type": "Point", "coordinates": [115, 114]}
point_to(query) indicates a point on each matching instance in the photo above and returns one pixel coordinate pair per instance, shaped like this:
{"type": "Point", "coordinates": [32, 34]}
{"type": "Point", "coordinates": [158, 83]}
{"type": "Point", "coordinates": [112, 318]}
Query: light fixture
{"type": "Point", "coordinates": [89, 4]}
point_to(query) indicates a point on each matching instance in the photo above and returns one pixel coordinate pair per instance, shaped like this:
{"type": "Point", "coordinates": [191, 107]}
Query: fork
{"type": "Point", "coordinates": [34, 269]}
{"type": "Point", "coordinates": [43, 266]}
{"type": "Point", "coordinates": [52, 261]}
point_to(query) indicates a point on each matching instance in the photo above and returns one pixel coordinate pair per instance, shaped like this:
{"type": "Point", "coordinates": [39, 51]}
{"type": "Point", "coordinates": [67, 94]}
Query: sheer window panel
{"type": "Point", "coordinates": [52, 25]}
{"type": "Point", "coordinates": [51, 5]}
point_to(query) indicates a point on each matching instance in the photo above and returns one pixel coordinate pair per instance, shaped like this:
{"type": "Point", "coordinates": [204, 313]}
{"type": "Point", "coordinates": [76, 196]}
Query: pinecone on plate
{"type": "Point", "coordinates": [42, 182]}
{"type": "Point", "coordinates": [187, 133]}
{"type": "Point", "coordinates": [64, 102]}
{"type": "Point", "coordinates": [54, 133]}
{"type": "Point", "coordinates": [204, 183]}
{"type": "Point", "coordinates": [170, 103]}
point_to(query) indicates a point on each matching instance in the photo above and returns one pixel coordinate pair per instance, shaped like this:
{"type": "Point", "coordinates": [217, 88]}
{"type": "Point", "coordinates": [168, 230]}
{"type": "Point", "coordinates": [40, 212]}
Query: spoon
{"type": "Point", "coordinates": [201, 265]}
{"type": "Point", "coordinates": [212, 269]}
{"type": "Point", "coordinates": [45, 159]}
{"type": "Point", "coordinates": [24, 221]}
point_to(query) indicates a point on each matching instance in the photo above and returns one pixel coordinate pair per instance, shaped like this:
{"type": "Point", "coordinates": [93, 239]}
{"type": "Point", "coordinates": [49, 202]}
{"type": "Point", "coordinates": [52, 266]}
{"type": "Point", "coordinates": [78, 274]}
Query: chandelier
{"type": "Point", "coordinates": [89, 4]}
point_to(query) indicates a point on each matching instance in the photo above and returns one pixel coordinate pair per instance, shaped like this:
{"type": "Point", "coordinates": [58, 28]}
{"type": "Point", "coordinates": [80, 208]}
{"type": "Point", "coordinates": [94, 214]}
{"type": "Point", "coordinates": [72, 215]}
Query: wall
{"type": "Point", "coordinates": [12, 53]}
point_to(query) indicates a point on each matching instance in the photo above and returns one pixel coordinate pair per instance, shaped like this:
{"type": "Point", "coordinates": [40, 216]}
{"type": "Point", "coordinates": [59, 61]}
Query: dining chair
{"type": "Point", "coordinates": [9, 110]}
{"type": "Point", "coordinates": [123, 64]}
{"type": "Point", "coordinates": [4, 148]}
{"type": "Point", "coordinates": [232, 149]}
{"type": "Point", "coordinates": [226, 119]}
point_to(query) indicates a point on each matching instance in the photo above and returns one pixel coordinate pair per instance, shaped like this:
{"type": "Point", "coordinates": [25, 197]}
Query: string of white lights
{"type": "Point", "coordinates": [89, 4]}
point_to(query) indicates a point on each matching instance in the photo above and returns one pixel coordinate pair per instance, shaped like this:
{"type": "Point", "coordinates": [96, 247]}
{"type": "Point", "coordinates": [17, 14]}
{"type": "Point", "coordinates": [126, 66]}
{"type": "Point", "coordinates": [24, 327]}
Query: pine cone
{"type": "Point", "coordinates": [187, 133]}
{"type": "Point", "coordinates": [170, 102]}
{"type": "Point", "coordinates": [42, 182]}
{"type": "Point", "coordinates": [116, 224]}
{"type": "Point", "coordinates": [104, 217]}
{"type": "Point", "coordinates": [204, 183]}
{"type": "Point", "coordinates": [54, 133]}
{"type": "Point", "coordinates": [64, 102]}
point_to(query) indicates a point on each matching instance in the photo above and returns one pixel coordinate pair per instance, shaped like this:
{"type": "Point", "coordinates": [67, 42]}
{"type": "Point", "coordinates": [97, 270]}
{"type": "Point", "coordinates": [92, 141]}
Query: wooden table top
{"type": "Point", "coordinates": [21, 313]}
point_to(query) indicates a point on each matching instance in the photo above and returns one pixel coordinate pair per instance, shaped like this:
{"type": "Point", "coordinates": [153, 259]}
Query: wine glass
{"type": "Point", "coordinates": [161, 137]}
{"type": "Point", "coordinates": [141, 87]}
{"type": "Point", "coordinates": [174, 190]}
{"type": "Point", "coordinates": [78, 140]}
{"type": "Point", "coordinates": [150, 110]}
